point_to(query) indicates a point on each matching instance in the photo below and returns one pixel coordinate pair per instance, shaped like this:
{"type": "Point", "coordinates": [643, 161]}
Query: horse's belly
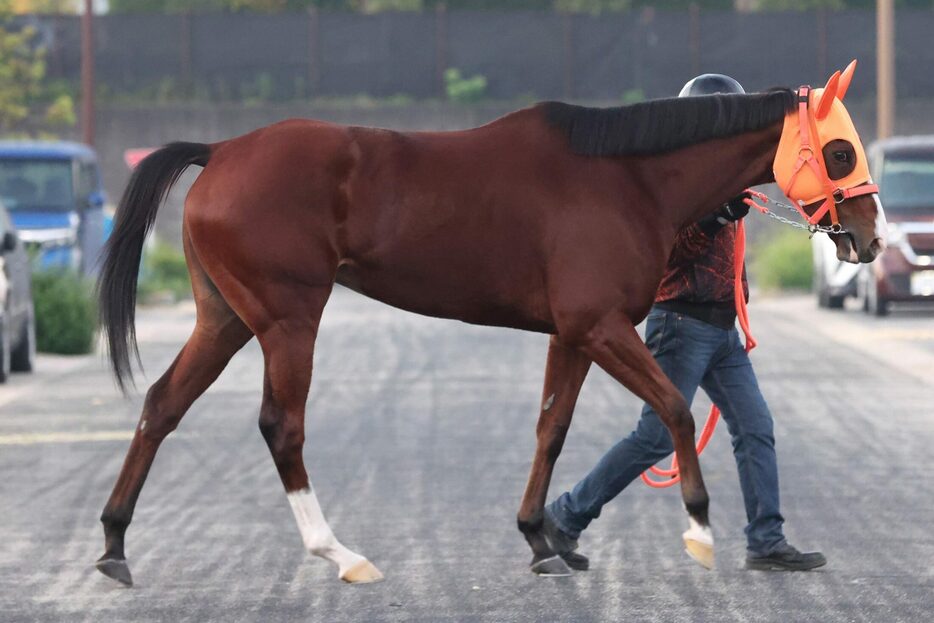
{"type": "Point", "coordinates": [456, 298]}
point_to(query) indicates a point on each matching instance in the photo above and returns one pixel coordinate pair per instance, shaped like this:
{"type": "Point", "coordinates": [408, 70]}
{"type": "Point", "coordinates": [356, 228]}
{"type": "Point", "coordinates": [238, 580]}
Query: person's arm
{"type": "Point", "coordinates": [695, 239]}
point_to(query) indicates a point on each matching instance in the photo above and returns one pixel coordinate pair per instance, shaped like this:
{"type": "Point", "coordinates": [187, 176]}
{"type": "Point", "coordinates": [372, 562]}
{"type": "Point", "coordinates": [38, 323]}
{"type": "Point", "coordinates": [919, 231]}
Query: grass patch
{"type": "Point", "coordinates": [163, 275]}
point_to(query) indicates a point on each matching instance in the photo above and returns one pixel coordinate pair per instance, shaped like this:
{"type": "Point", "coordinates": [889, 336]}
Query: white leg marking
{"type": "Point", "coordinates": [550, 401]}
{"type": "Point", "coordinates": [316, 533]}
{"type": "Point", "coordinates": [699, 533]}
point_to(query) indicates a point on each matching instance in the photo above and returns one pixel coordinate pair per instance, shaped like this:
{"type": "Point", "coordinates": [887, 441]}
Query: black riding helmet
{"type": "Point", "coordinates": [708, 84]}
{"type": "Point", "coordinates": [735, 209]}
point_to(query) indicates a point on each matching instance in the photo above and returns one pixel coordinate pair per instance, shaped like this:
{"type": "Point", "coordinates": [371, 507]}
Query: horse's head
{"type": "Point", "coordinates": [820, 164]}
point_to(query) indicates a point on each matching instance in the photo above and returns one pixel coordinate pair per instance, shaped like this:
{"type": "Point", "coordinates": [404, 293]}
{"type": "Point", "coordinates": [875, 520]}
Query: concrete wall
{"type": "Point", "coordinates": [122, 128]}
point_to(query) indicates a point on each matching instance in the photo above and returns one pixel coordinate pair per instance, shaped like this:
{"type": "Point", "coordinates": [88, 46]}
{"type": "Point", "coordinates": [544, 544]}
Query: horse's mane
{"type": "Point", "coordinates": [663, 125]}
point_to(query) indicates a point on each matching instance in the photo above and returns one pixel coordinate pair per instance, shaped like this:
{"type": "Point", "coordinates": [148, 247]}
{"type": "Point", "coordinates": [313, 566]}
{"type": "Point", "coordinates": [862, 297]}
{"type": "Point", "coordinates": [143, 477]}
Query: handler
{"type": "Point", "coordinates": [692, 334]}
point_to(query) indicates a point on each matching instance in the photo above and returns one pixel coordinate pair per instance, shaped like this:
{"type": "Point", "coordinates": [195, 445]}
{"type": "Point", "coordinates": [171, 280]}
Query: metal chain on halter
{"type": "Point", "coordinates": [813, 229]}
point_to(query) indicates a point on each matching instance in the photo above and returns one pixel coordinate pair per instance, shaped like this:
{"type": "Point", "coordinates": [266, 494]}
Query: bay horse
{"type": "Point", "coordinates": [556, 218]}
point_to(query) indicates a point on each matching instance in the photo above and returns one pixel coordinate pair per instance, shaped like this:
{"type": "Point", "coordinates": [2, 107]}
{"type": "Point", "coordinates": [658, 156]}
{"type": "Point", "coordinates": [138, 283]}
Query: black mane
{"type": "Point", "coordinates": [663, 125]}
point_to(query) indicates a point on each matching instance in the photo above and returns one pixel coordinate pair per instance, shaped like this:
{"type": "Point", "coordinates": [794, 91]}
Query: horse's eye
{"type": "Point", "coordinates": [841, 156]}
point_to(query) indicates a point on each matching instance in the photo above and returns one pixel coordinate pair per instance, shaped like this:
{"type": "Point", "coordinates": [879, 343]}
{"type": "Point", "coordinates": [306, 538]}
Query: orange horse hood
{"type": "Point", "coordinates": [827, 120]}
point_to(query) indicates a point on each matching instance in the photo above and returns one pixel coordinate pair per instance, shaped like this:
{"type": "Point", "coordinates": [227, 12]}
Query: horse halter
{"type": "Point", "coordinates": [799, 166]}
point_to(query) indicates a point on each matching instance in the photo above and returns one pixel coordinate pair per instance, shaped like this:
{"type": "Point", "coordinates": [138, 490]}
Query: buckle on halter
{"type": "Point", "coordinates": [839, 195]}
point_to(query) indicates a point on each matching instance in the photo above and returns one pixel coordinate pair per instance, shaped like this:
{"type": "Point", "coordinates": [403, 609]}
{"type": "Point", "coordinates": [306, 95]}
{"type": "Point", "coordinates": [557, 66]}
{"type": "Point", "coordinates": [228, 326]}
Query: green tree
{"type": "Point", "coordinates": [45, 6]}
{"type": "Point", "coordinates": [592, 6]}
{"type": "Point", "coordinates": [22, 70]}
{"type": "Point", "coordinates": [800, 5]}
{"type": "Point", "coordinates": [807, 5]}
{"type": "Point", "coordinates": [165, 6]}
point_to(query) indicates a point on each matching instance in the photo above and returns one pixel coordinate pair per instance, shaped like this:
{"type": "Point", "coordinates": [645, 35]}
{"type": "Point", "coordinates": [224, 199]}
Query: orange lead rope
{"type": "Point", "coordinates": [742, 314]}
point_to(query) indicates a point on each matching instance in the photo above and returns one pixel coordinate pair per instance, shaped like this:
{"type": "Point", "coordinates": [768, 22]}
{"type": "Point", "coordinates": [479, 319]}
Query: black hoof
{"type": "Point", "coordinates": [116, 569]}
{"type": "Point", "coordinates": [552, 567]}
{"type": "Point", "coordinates": [576, 561]}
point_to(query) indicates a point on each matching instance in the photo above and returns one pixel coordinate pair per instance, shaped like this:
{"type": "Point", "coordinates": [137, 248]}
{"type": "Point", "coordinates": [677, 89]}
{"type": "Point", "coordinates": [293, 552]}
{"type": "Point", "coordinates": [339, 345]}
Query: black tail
{"type": "Point", "coordinates": [136, 213]}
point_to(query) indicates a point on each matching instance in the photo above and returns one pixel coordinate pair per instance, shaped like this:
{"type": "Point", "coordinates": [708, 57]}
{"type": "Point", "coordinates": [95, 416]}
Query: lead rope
{"type": "Point", "coordinates": [742, 314]}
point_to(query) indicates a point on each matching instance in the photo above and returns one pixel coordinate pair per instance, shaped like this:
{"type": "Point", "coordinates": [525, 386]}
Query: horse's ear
{"type": "Point", "coordinates": [845, 78]}
{"type": "Point", "coordinates": [828, 96]}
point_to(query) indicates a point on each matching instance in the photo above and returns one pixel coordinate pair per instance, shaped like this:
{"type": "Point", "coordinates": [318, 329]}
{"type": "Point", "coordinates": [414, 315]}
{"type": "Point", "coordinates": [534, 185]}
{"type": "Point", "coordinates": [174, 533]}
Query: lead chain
{"type": "Point", "coordinates": [813, 229]}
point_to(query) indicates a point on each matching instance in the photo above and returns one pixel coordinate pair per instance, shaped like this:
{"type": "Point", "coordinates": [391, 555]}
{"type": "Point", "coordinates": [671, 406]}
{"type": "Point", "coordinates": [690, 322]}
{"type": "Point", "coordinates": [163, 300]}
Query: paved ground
{"type": "Point", "coordinates": [420, 437]}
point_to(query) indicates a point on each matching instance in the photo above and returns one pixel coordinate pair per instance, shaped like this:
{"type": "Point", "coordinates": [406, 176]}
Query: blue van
{"type": "Point", "coordinates": [55, 196]}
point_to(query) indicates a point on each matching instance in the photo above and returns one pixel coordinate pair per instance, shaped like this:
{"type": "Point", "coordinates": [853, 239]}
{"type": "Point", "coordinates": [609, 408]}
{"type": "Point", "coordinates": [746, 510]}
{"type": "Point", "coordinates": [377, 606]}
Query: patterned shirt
{"type": "Point", "coordinates": [699, 278]}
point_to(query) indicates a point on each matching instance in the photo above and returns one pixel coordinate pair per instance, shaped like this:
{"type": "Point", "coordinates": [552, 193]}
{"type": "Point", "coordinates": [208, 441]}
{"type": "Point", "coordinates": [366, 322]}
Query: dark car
{"type": "Point", "coordinates": [17, 320]}
{"type": "Point", "coordinates": [904, 168]}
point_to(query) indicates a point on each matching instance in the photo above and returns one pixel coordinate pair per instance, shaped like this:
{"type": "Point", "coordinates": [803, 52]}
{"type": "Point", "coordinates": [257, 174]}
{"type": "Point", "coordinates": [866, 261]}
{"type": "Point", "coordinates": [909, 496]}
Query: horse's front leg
{"type": "Point", "coordinates": [616, 347]}
{"type": "Point", "coordinates": [564, 374]}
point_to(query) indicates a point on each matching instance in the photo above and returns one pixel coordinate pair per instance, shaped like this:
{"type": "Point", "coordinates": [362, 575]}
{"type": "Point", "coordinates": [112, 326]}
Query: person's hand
{"type": "Point", "coordinates": [734, 209]}
{"type": "Point", "coordinates": [730, 212]}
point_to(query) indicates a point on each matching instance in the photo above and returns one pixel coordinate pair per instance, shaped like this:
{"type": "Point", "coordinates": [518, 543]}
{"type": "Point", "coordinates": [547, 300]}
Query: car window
{"type": "Point", "coordinates": [907, 183]}
{"type": "Point", "coordinates": [28, 184]}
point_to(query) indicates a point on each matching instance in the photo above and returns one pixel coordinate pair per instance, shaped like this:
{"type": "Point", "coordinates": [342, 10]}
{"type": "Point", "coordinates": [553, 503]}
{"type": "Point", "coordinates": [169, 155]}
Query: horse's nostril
{"type": "Point", "coordinates": [877, 246]}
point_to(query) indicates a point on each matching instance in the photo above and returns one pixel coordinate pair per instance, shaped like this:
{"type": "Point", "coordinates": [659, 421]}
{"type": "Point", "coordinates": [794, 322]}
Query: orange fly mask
{"type": "Point", "coordinates": [799, 166]}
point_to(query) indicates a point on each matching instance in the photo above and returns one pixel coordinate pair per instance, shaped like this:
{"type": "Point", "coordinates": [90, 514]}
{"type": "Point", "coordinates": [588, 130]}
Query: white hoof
{"type": "Point", "coordinates": [364, 572]}
{"type": "Point", "coordinates": [698, 543]}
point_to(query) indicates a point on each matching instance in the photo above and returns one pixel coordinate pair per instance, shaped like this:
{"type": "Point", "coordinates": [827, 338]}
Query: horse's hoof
{"type": "Point", "coordinates": [698, 543]}
{"type": "Point", "coordinates": [552, 567]}
{"type": "Point", "coordinates": [116, 569]}
{"type": "Point", "coordinates": [701, 552]}
{"type": "Point", "coordinates": [364, 572]}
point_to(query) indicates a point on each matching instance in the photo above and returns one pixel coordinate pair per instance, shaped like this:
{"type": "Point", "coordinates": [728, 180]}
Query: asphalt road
{"type": "Point", "coordinates": [420, 436]}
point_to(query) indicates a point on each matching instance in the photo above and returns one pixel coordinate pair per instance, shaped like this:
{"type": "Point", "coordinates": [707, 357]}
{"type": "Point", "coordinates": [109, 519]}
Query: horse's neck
{"type": "Point", "coordinates": [713, 172]}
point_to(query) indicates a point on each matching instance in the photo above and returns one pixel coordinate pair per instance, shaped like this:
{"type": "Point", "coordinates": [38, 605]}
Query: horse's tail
{"type": "Point", "coordinates": [135, 216]}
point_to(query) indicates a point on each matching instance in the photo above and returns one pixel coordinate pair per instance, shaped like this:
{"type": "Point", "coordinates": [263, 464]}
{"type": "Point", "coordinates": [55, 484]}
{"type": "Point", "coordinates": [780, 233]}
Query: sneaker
{"type": "Point", "coordinates": [786, 558]}
{"type": "Point", "coordinates": [563, 545]}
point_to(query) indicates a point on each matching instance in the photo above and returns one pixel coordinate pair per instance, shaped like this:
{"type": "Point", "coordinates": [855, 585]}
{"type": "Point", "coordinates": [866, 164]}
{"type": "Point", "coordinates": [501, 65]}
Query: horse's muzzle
{"type": "Point", "coordinates": [875, 248]}
{"type": "Point", "coordinates": [848, 250]}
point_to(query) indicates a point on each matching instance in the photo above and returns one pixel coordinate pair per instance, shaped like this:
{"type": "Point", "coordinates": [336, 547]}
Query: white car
{"type": "Point", "coordinates": [904, 169]}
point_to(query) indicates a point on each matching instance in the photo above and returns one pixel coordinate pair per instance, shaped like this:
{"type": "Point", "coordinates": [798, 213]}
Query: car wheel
{"type": "Point", "coordinates": [5, 340]}
{"type": "Point", "coordinates": [23, 357]}
{"type": "Point", "coordinates": [824, 298]}
{"type": "Point", "coordinates": [872, 302]}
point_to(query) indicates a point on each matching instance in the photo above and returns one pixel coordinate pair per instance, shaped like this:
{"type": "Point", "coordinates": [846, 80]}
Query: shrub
{"type": "Point", "coordinates": [66, 312]}
{"type": "Point", "coordinates": [783, 261]}
{"type": "Point", "coordinates": [460, 89]}
{"type": "Point", "coordinates": [633, 96]}
{"type": "Point", "coordinates": [164, 274]}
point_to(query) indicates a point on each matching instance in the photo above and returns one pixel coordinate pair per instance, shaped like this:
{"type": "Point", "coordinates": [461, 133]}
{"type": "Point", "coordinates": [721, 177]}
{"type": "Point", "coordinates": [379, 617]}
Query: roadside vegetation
{"type": "Point", "coordinates": [30, 105]}
{"type": "Point", "coordinates": [163, 276]}
{"type": "Point", "coordinates": [783, 261]}
{"type": "Point", "coordinates": [66, 312]}
{"type": "Point", "coordinates": [462, 89]}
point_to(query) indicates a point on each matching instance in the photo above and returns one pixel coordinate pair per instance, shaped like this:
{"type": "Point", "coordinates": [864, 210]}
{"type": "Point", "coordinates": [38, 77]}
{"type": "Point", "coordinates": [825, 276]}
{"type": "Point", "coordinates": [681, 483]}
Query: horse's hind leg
{"type": "Point", "coordinates": [288, 346]}
{"type": "Point", "coordinates": [564, 374]}
{"type": "Point", "coordinates": [616, 347]}
{"type": "Point", "coordinates": [218, 334]}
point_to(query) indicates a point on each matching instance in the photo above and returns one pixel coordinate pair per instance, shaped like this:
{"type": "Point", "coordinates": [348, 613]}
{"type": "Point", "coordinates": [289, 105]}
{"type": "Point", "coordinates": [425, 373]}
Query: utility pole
{"type": "Point", "coordinates": [885, 68]}
{"type": "Point", "coordinates": [87, 73]}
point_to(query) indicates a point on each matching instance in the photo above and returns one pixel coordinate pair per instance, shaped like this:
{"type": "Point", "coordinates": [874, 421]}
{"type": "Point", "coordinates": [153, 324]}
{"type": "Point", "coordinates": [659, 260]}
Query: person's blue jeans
{"type": "Point", "coordinates": [693, 354]}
